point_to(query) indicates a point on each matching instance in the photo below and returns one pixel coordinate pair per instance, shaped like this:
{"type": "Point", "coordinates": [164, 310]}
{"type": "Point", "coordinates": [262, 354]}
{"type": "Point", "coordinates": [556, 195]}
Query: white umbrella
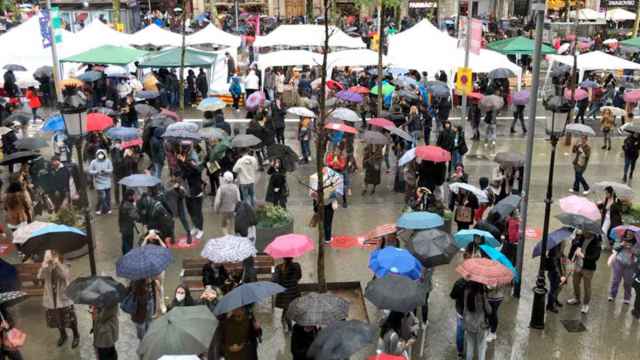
{"type": "Point", "coordinates": [114, 70]}
{"type": "Point", "coordinates": [345, 114]}
{"type": "Point", "coordinates": [455, 188]}
{"type": "Point", "coordinates": [610, 41]}
{"type": "Point", "coordinates": [616, 111]}
{"type": "Point", "coordinates": [229, 248]}
{"type": "Point", "coordinates": [407, 157]}
{"type": "Point", "coordinates": [580, 130]}
{"type": "Point", "coordinates": [5, 130]}
{"type": "Point", "coordinates": [301, 111]}
{"type": "Point", "coordinates": [23, 233]}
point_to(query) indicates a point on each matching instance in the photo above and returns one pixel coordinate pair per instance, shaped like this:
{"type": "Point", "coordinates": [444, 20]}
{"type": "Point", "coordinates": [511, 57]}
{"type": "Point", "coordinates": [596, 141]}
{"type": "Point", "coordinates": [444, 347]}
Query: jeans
{"type": "Point", "coordinates": [493, 317]}
{"type": "Point", "coordinates": [490, 132]}
{"type": "Point", "coordinates": [585, 277]}
{"type": "Point", "coordinates": [306, 151]}
{"type": "Point", "coordinates": [459, 334]}
{"type": "Point", "coordinates": [416, 136]}
{"type": "Point", "coordinates": [127, 241]}
{"type": "Point", "coordinates": [248, 194]}
{"type": "Point", "coordinates": [554, 288]}
{"type": "Point", "coordinates": [476, 343]}
{"type": "Point", "coordinates": [579, 180]}
{"type": "Point", "coordinates": [629, 166]}
{"type": "Point", "coordinates": [194, 207]}
{"type": "Point", "coordinates": [157, 170]}
{"type": "Point", "coordinates": [104, 201]}
{"type": "Point", "coordinates": [141, 329]}
{"type": "Point", "coordinates": [622, 274]}
{"type": "Point", "coordinates": [456, 159]}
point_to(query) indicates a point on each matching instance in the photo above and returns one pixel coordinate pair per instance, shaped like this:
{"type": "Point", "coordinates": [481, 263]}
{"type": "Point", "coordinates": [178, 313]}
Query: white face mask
{"type": "Point", "coordinates": [101, 157]}
{"type": "Point", "coordinates": [180, 297]}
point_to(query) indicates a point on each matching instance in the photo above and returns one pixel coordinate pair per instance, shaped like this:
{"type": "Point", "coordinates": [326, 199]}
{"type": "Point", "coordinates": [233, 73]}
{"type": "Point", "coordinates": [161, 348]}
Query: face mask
{"type": "Point", "coordinates": [101, 157]}
{"type": "Point", "coordinates": [180, 297]}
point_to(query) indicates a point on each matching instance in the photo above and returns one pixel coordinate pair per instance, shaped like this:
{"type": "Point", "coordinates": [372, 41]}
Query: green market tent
{"type": "Point", "coordinates": [170, 58]}
{"type": "Point", "coordinates": [633, 42]}
{"type": "Point", "coordinates": [519, 45]}
{"type": "Point", "coordinates": [107, 55]}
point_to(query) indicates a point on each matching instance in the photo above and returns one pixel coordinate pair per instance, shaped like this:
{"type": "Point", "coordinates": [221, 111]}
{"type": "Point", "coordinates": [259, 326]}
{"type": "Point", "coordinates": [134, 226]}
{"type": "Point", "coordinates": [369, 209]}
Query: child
{"type": "Point", "coordinates": [34, 101]}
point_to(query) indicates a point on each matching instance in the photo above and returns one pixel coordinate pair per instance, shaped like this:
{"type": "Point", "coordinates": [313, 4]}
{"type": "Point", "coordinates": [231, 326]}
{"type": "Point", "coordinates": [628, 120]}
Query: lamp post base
{"type": "Point", "coordinates": [538, 308]}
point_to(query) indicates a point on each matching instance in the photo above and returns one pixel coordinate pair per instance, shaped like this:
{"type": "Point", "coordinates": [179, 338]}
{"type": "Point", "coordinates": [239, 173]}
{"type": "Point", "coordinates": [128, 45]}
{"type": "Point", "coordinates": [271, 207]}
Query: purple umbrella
{"type": "Point", "coordinates": [255, 100]}
{"type": "Point", "coordinates": [521, 97]}
{"type": "Point", "coordinates": [346, 95]}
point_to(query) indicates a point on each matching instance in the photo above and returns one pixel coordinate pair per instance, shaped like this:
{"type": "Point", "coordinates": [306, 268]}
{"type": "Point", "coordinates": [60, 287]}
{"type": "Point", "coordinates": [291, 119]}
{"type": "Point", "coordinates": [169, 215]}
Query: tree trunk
{"type": "Point", "coordinates": [380, 46]}
{"type": "Point", "coordinates": [182, 55]}
{"type": "Point", "coordinates": [309, 11]}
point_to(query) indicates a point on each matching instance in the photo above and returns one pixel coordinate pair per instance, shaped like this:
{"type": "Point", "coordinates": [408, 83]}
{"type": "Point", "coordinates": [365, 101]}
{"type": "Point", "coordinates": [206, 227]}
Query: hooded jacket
{"type": "Point", "coordinates": [227, 196]}
{"type": "Point", "coordinates": [101, 170]}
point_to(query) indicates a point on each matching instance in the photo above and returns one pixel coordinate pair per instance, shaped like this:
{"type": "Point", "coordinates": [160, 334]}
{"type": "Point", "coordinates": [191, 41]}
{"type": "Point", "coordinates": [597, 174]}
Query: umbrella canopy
{"type": "Point", "coordinates": [518, 45]}
{"type": "Point", "coordinates": [316, 309]}
{"type": "Point", "coordinates": [382, 123]}
{"type": "Point", "coordinates": [348, 96]}
{"type": "Point", "coordinates": [90, 76]}
{"type": "Point", "coordinates": [406, 81]}
{"type": "Point", "coordinates": [557, 104]}
{"type": "Point", "coordinates": [255, 100]}
{"type": "Point", "coordinates": [437, 89]}
{"type": "Point", "coordinates": [488, 227]}
{"type": "Point", "coordinates": [382, 230]}
{"type": "Point", "coordinates": [147, 95]}
{"type": "Point", "coordinates": [11, 298]}
{"type": "Point", "coordinates": [245, 140]}
{"type": "Point", "coordinates": [589, 84]}
{"type": "Point", "coordinates": [24, 231]}
{"type": "Point", "coordinates": [521, 97]}
{"type": "Point", "coordinates": [182, 134]}
{"type": "Point", "coordinates": [407, 157]}
{"type": "Point", "coordinates": [18, 157]}
{"type": "Point", "coordinates": [341, 340]}
{"type": "Point", "coordinates": [301, 111]}
{"type": "Point", "coordinates": [101, 291]}
{"type": "Point", "coordinates": [213, 133]}
{"type": "Point", "coordinates": [139, 180]}
{"type": "Point", "coordinates": [506, 206]}
{"type": "Point", "coordinates": [433, 153]}
{"type": "Point", "coordinates": [580, 205]}
{"type": "Point", "coordinates": [496, 255]}
{"type": "Point", "coordinates": [400, 133]}
{"type": "Point", "coordinates": [229, 248]}
{"type": "Point", "coordinates": [53, 124]}
{"type": "Point", "coordinates": [43, 72]}
{"type": "Point", "coordinates": [465, 237]}
{"type": "Point", "coordinates": [159, 120]}
{"type": "Point", "coordinates": [632, 96]}
{"type": "Point", "coordinates": [631, 127]}
{"type": "Point", "coordinates": [580, 222]}
{"type": "Point", "coordinates": [409, 95]}
{"type": "Point", "coordinates": [341, 127]}
{"type": "Point", "coordinates": [289, 246]}
{"type": "Point", "coordinates": [185, 330]}
{"type": "Point", "coordinates": [386, 89]}
{"type": "Point", "coordinates": [285, 153]}
{"type": "Point", "coordinates": [345, 114]}
{"type": "Point", "coordinates": [61, 238]}
{"type": "Point", "coordinates": [395, 292]}
{"type": "Point", "coordinates": [247, 294]}
{"type": "Point", "coordinates": [509, 159]}
{"type": "Point", "coordinates": [432, 247]}
{"type": "Point", "coordinates": [485, 271]}
{"type": "Point", "coordinates": [553, 239]}
{"type": "Point", "coordinates": [491, 103]}
{"type": "Point", "coordinates": [14, 67]}
{"type": "Point", "coordinates": [19, 116]}
{"type": "Point", "coordinates": [183, 126]}
{"type": "Point", "coordinates": [171, 114]}
{"type": "Point", "coordinates": [395, 261]}
{"type": "Point", "coordinates": [211, 104]}
{"type": "Point", "coordinates": [122, 133]}
{"type": "Point", "coordinates": [385, 356]}
{"type": "Point", "coordinates": [30, 143]}
{"type": "Point", "coordinates": [98, 122]}
{"type": "Point", "coordinates": [144, 262]}
{"type": "Point", "coordinates": [419, 220]}
{"type": "Point", "coordinates": [621, 190]}
{"type": "Point", "coordinates": [333, 182]}
{"type": "Point", "coordinates": [580, 130]}
{"type": "Point", "coordinates": [615, 111]}
{"type": "Point", "coordinates": [501, 73]}
{"type": "Point", "coordinates": [579, 94]}
{"type": "Point", "coordinates": [146, 110]}
{"type": "Point", "coordinates": [359, 90]}
{"type": "Point", "coordinates": [170, 58]}
{"type": "Point", "coordinates": [618, 232]}
{"type": "Point", "coordinates": [374, 137]}
{"type": "Point", "coordinates": [479, 194]}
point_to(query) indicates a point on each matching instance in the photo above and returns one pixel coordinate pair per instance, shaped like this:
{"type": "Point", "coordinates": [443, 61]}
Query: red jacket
{"type": "Point", "coordinates": [338, 165]}
{"type": "Point", "coordinates": [34, 99]}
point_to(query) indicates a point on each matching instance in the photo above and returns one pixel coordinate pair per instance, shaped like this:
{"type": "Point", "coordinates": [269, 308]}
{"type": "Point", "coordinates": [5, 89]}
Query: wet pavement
{"type": "Point", "coordinates": [611, 331]}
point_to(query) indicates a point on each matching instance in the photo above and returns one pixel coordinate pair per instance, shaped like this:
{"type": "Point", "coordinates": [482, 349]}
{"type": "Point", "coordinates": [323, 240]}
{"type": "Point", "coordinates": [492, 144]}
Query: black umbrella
{"type": "Point", "coordinates": [11, 298]}
{"type": "Point", "coordinates": [14, 67]}
{"type": "Point", "coordinates": [8, 277]}
{"type": "Point", "coordinates": [506, 206]}
{"type": "Point", "coordinates": [579, 222]}
{"type": "Point", "coordinates": [501, 73]}
{"type": "Point", "coordinates": [182, 134]}
{"type": "Point", "coordinates": [437, 89]}
{"type": "Point", "coordinates": [559, 69]}
{"type": "Point", "coordinates": [410, 95]}
{"type": "Point", "coordinates": [316, 309]}
{"type": "Point", "coordinates": [43, 71]}
{"type": "Point", "coordinates": [62, 238]}
{"type": "Point", "coordinates": [30, 143]}
{"type": "Point", "coordinates": [557, 104]}
{"type": "Point", "coordinates": [100, 291]}
{"type": "Point", "coordinates": [286, 154]}
{"type": "Point", "coordinates": [159, 120]}
{"type": "Point", "coordinates": [432, 247]}
{"type": "Point", "coordinates": [90, 76]}
{"type": "Point", "coordinates": [341, 340]}
{"type": "Point", "coordinates": [247, 294]}
{"type": "Point", "coordinates": [18, 158]}
{"type": "Point", "coordinates": [145, 110]}
{"type": "Point", "coordinates": [19, 116]}
{"type": "Point", "coordinates": [147, 95]}
{"type": "Point", "coordinates": [509, 159]}
{"type": "Point", "coordinates": [395, 292]}
{"type": "Point", "coordinates": [245, 140]}
{"type": "Point", "coordinates": [488, 227]}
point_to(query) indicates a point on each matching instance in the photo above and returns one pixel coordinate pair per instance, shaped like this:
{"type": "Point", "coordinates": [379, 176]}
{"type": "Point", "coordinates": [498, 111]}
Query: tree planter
{"type": "Point", "coordinates": [264, 235]}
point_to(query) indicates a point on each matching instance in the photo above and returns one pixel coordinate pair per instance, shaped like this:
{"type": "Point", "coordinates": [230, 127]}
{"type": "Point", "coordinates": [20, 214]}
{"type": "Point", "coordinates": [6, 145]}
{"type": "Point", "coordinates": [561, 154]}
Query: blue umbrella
{"type": "Point", "coordinates": [211, 104]}
{"type": "Point", "coordinates": [139, 180]}
{"type": "Point", "coordinates": [90, 76]}
{"type": "Point", "coordinates": [53, 124]}
{"type": "Point", "coordinates": [554, 239]}
{"type": "Point", "coordinates": [122, 133]}
{"type": "Point", "coordinates": [144, 262]}
{"type": "Point", "coordinates": [465, 237]}
{"type": "Point", "coordinates": [247, 294]}
{"type": "Point", "coordinates": [419, 220]}
{"type": "Point", "coordinates": [395, 261]}
{"type": "Point", "coordinates": [61, 238]}
{"type": "Point", "coordinates": [437, 89]}
{"type": "Point", "coordinates": [496, 255]}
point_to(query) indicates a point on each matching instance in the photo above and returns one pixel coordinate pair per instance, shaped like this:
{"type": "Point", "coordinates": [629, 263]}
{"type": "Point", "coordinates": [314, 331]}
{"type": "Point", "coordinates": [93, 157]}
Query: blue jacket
{"type": "Point", "coordinates": [235, 89]}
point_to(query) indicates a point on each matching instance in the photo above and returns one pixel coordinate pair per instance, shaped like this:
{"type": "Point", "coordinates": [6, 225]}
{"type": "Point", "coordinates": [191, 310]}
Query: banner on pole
{"type": "Point", "coordinates": [45, 31]}
{"type": "Point", "coordinates": [476, 35]}
{"type": "Point", "coordinates": [464, 80]}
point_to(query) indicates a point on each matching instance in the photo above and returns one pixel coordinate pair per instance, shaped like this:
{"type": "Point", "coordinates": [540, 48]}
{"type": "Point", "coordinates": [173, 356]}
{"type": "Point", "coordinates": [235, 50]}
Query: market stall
{"type": "Point", "coordinates": [107, 55]}
{"type": "Point", "coordinates": [153, 35]}
{"type": "Point", "coordinates": [595, 60]}
{"type": "Point", "coordinates": [307, 36]}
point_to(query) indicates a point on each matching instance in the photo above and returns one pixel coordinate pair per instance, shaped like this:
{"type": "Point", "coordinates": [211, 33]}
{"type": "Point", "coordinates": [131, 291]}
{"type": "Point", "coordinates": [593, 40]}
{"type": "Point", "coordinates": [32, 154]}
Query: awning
{"type": "Point", "coordinates": [518, 46]}
{"type": "Point", "coordinates": [107, 55]}
{"type": "Point", "coordinates": [170, 58]}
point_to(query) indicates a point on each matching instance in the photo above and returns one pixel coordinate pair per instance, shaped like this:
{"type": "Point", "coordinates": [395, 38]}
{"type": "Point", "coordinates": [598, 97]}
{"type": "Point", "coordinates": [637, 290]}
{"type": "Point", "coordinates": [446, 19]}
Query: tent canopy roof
{"type": "Point", "coordinates": [620, 14]}
{"type": "Point", "coordinates": [588, 15]}
{"type": "Point", "coordinates": [289, 58]}
{"type": "Point", "coordinates": [156, 36]}
{"type": "Point", "coordinates": [170, 58]}
{"type": "Point", "coordinates": [417, 34]}
{"type": "Point", "coordinates": [97, 33]}
{"type": "Point", "coordinates": [358, 57]}
{"type": "Point", "coordinates": [596, 60]}
{"type": "Point", "coordinates": [307, 35]}
{"type": "Point", "coordinates": [633, 42]}
{"type": "Point", "coordinates": [518, 45]}
{"type": "Point", "coordinates": [213, 35]}
{"type": "Point", "coordinates": [107, 55]}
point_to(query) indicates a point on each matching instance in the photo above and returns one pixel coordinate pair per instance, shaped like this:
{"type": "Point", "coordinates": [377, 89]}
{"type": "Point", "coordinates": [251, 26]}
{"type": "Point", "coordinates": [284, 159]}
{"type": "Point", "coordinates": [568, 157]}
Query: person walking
{"type": "Point", "coordinates": [585, 252]}
{"type": "Point", "coordinates": [251, 83]}
{"type": "Point", "coordinates": [458, 295]}
{"type": "Point", "coordinates": [192, 173]}
{"type": "Point", "coordinates": [277, 119]}
{"type": "Point", "coordinates": [636, 286]}
{"type": "Point", "coordinates": [227, 197]}
{"type": "Point", "coordinates": [144, 300]}
{"type": "Point", "coordinates": [304, 136]}
{"type": "Point", "coordinates": [611, 214]}
{"type": "Point", "coordinates": [245, 169]}
{"type": "Point", "coordinates": [459, 148]}
{"type": "Point", "coordinates": [465, 205]}
{"type": "Point", "coordinates": [231, 66]}
{"type": "Point", "coordinates": [34, 101]}
{"type": "Point", "coordinates": [518, 115]}
{"type": "Point", "coordinates": [105, 331]}
{"type": "Point", "coordinates": [446, 140]}
{"type": "Point", "coordinates": [301, 339]}
{"type": "Point", "coordinates": [476, 310]}
{"type": "Point", "coordinates": [582, 109]}
{"type": "Point", "coordinates": [157, 154]}
{"type": "Point", "coordinates": [235, 89]}
{"type": "Point", "coordinates": [582, 153]}
{"type": "Point", "coordinates": [372, 165]}
{"type": "Point", "coordinates": [607, 123]}
{"type": "Point", "coordinates": [277, 189]}
{"type": "Point", "coordinates": [101, 169]}
{"type": "Point", "coordinates": [495, 296]}
{"type": "Point", "coordinates": [127, 217]}
{"type": "Point", "coordinates": [56, 184]}
{"type": "Point", "coordinates": [60, 313]}
{"type": "Point", "coordinates": [631, 149]}
{"type": "Point", "coordinates": [623, 262]}
{"type": "Point", "coordinates": [287, 274]}
{"type": "Point", "coordinates": [240, 334]}
{"type": "Point", "coordinates": [17, 205]}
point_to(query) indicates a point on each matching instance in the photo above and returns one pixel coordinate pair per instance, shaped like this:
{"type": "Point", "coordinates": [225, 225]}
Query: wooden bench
{"type": "Point", "coordinates": [28, 277]}
{"type": "Point", "coordinates": [191, 273]}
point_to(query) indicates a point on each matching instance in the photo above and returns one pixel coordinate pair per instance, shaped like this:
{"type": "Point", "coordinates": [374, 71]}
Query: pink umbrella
{"type": "Point", "coordinates": [341, 127]}
{"type": "Point", "coordinates": [255, 100]}
{"type": "Point", "coordinates": [433, 153]}
{"type": "Point", "coordinates": [290, 245]}
{"type": "Point", "coordinates": [580, 205]}
{"type": "Point", "coordinates": [380, 122]}
{"type": "Point", "coordinates": [580, 94]}
{"type": "Point", "coordinates": [632, 96]}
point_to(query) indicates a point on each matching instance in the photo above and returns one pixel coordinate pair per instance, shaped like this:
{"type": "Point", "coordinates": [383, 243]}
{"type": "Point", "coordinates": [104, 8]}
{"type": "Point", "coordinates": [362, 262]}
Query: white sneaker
{"type": "Point", "coordinates": [98, 213]}
{"type": "Point", "coordinates": [573, 301]}
{"type": "Point", "coordinates": [586, 192]}
{"type": "Point", "coordinates": [610, 299]}
{"type": "Point", "coordinates": [585, 309]}
{"type": "Point", "coordinates": [193, 231]}
{"type": "Point", "coordinates": [199, 234]}
{"type": "Point", "coordinates": [491, 337]}
{"type": "Point", "coordinates": [571, 190]}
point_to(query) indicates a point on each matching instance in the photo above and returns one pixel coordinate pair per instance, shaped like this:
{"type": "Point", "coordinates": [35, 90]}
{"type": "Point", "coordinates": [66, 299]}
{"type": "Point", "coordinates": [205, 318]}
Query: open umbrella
{"type": "Point", "coordinates": [359, 90]}
{"type": "Point", "coordinates": [579, 94]}
{"type": "Point", "coordinates": [247, 294]}
{"type": "Point", "coordinates": [406, 81]}
{"type": "Point", "coordinates": [589, 84]}
{"type": "Point", "coordinates": [488, 227]}
{"type": "Point", "coordinates": [432, 247]}
{"type": "Point", "coordinates": [382, 230]}
{"type": "Point", "coordinates": [501, 73]}
{"type": "Point", "coordinates": [341, 340]}
{"type": "Point", "coordinates": [301, 111]}
{"type": "Point", "coordinates": [30, 143]}
{"type": "Point", "coordinates": [559, 69]}
{"type": "Point", "coordinates": [96, 290]}
{"type": "Point", "coordinates": [345, 114]}
{"type": "Point", "coordinates": [386, 89]}
{"type": "Point", "coordinates": [334, 85]}
{"type": "Point", "coordinates": [621, 190]}
{"type": "Point", "coordinates": [185, 330]}
{"type": "Point", "coordinates": [139, 180]}
{"type": "Point", "coordinates": [98, 122]}
{"type": "Point", "coordinates": [407, 157]}
{"type": "Point", "coordinates": [341, 127]}
{"type": "Point", "coordinates": [333, 182]}
{"type": "Point", "coordinates": [400, 133]}
{"type": "Point", "coordinates": [11, 298]}
{"type": "Point", "coordinates": [61, 238]}
{"type": "Point", "coordinates": [255, 100]}
{"type": "Point", "coordinates": [506, 206]}
{"type": "Point", "coordinates": [496, 255]}
{"type": "Point", "coordinates": [116, 71]}
{"type": "Point", "coordinates": [491, 103]}
{"type": "Point", "coordinates": [213, 133]}
{"type": "Point", "coordinates": [380, 122]}
{"type": "Point", "coordinates": [618, 231]}
{"type": "Point", "coordinates": [509, 159]}
{"type": "Point", "coordinates": [385, 356]}
{"type": "Point", "coordinates": [147, 95]}
{"type": "Point", "coordinates": [54, 123]}
{"type": "Point", "coordinates": [18, 157]}
{"type": "Point", "coordinates": [419, 220]}
{"type": "Point", "coordinates": [479, 194]}
{"type": "Point", "coordinates": [437, 89]}
{"type": "Point", "coordinates": [615, 111]}
{"type": "Point", "coordinates": [181, 133]}
{"type": "Point", "coordinates": [579, 222]}
{"type": "Point", "coordinates": [14, 67]}
{"type": "Point", "coordinates": [485, 271]}
{"type": "Point", "coordinates": [580, 205]}
{"type": "Point", "coordinates": [553, 239]}
{"type": "Point", "coordinates": [580, 130]}
{"type": "Point", "coordinates": [71, 82]}
{"type": "Point", "coordinates": [521, 97]}
{"type": "Point", "coordinates": [228, 249]}
{"type": "Point", "coordinates": [144, 262]}
{"type": "Point", "coordinates": [316, 309]}
{"type": "Point", "coordinates": [288, 157]}
{"type": "Point", "coordinates": [290, 245]}
{"type": "Point", "coordinates": [5, 130]}
{"type": "Point", "coordinates": [395, 292]}
{"type": "Point", "coordinates": [24, 231]}
{"type": "Point", "coordinates": [122, 133]}
{"type": "Point", "coordinates": [43, 71]}
{"type": "Point", "coordinates": [146, 110]}
{"type": "Point", "coordinates": [90, 76]}
{"type": "Point", "coordinates": [433, 153]}
{"type": "Point", "coordinates": [393, 260]}
{"type": "Point", "coordinates": [19, 116]}
{"type": "Point", "coordinates": [348, 96]}
{"type": "Point", "coordinates": [374, 137]}
{"type": "Point", "coordinates": [632, 127]}
{"type": "Point", "coordinates": [245, 140]}
{"type": "Point", "coordinates": [557, 104]}
{"type": "Point", "coordinates": [465, 237]}
{"type": "Point", "coordinates": [409, 95]}
{"type": "Point", "coordinates": [211, 104]}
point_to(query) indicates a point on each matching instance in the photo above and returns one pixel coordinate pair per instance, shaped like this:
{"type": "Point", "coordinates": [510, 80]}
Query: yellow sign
{"type": "Point", "coordinates": [464, 80]}
{"type": "Point", "coordinates": [562, 4]}
{"type": "Point", "coordinates": [119, 27]}
{"type": "Point", "coordinates": [375, 41]}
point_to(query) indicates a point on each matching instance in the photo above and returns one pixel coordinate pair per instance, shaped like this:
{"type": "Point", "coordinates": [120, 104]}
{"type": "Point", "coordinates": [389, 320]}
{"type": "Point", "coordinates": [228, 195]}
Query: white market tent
{"type": "Point", "coordinates": [595, 60]}
{"type": "Point", "coordinates": [156, 36]}
{"type": "Point", "coordinates": [213, 35]}
{"type": "Point", "coordinates": [307, 35]}
{"type": "Point", "coordinates": [619, 14]}
{"type": "Point", "coordinates": [587, 15]}
{"type": "Point", "coordinates": [358, 57]}
{"type": "Point", "coordinates": [422, 35]}
{"type": "Point", "coordinates": [97, 34]}
{"type": "Point", "coordinates": [289, 58]}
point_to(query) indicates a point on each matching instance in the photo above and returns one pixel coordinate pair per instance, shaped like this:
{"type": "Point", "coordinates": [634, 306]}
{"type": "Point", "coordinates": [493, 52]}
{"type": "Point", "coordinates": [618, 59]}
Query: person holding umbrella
{"type": "Point", "coordinates": [60, 313]}
{"type": "Point", "coordinates": [143, 304]}
{"type": "Point", "coordinates": [287, 274]}
{"type": "Point", "coordinates": [465, 205]}
{"type": "Point", "coordinates": [611, 210]}
{"type": "Point", "coordinates": [623, 262]}
{"type": "Point", "coordinates": [584, 252]}
{"type": "Point", "coordinates": [240, 334]}
{"type": "Point", "coordinates": [557, 276]}
{"type": "Point", "coordinates": [631, 149]}
{"type": "Point", "coordinates": [127, 217]}
{"type": "Point", "coordinates": [476, 310]}
{"type": "Point", "coordinates": [277, 189]}
{"type": "Point", "coordinates": [17, 205]}
{"type": "Point", "coordinates": [372, 164]}
{"type": "Point", "coordinates": [580, 162]}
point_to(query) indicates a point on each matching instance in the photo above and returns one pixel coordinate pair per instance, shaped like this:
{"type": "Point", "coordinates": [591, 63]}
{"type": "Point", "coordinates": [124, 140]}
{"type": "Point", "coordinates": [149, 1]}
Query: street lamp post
{"type": "Point", "coordinates": [74, 112]}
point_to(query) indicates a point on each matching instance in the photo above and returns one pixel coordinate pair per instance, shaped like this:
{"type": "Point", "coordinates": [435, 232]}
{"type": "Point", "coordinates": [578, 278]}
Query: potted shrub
{"type": "Point", "coordinates": [273, 221]}
{"type": "Point", "coordinates": [448, 218]}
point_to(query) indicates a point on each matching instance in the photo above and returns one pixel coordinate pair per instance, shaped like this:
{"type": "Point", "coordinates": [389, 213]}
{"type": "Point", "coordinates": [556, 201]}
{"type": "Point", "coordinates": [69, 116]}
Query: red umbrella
{"type": "Point", "coordinates": [334, 85]}
{"type": "Point", "coordinates": [131, 143]}
{"type": "Point", "coordinates": [475, 95]}
{"type": "Point", "coordinates": [359, 90]}
{"type": "Point", "coordinates": [632, 96]}
{"type": "Point", "coordinates": [385, 356]}
{"type": "Point", "coordinates": [383, 123]}
{"type": "Point", "coordinates": [98, 122]}
{"type": "Point", "coordinates": [433, 153]}
{"type": "Point", "coordinates": [170, 114]}
{"type": "Point", "coordinates": [341, 127]}
{"type": "Point", "coordinates": [485, 271]}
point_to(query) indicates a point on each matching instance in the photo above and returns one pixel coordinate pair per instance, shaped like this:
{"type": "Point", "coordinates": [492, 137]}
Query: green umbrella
{"type": "Point", "coordinates": [386, 89]}
{"type": "Point", "coordinates": [633, 42]}
{"type": "Point", "coordinates": [185, 330]}
{"type": "Point", "coordinates": [220, 149]}
{"type": "Point", "coordinates": [517, 46]}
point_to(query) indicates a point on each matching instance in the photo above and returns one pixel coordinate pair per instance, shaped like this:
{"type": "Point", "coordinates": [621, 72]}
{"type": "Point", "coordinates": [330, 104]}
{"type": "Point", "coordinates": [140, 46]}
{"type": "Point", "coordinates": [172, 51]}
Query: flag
{"type": "Point", "coordinates": [45, 31]}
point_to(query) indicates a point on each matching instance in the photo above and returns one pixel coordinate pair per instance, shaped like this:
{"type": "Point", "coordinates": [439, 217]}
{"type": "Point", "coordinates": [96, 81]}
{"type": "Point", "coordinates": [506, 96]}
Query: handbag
{"type": "Point", "coordinates": [129, 304]}
{"type": "Point", "coordinates": [14, 339]}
